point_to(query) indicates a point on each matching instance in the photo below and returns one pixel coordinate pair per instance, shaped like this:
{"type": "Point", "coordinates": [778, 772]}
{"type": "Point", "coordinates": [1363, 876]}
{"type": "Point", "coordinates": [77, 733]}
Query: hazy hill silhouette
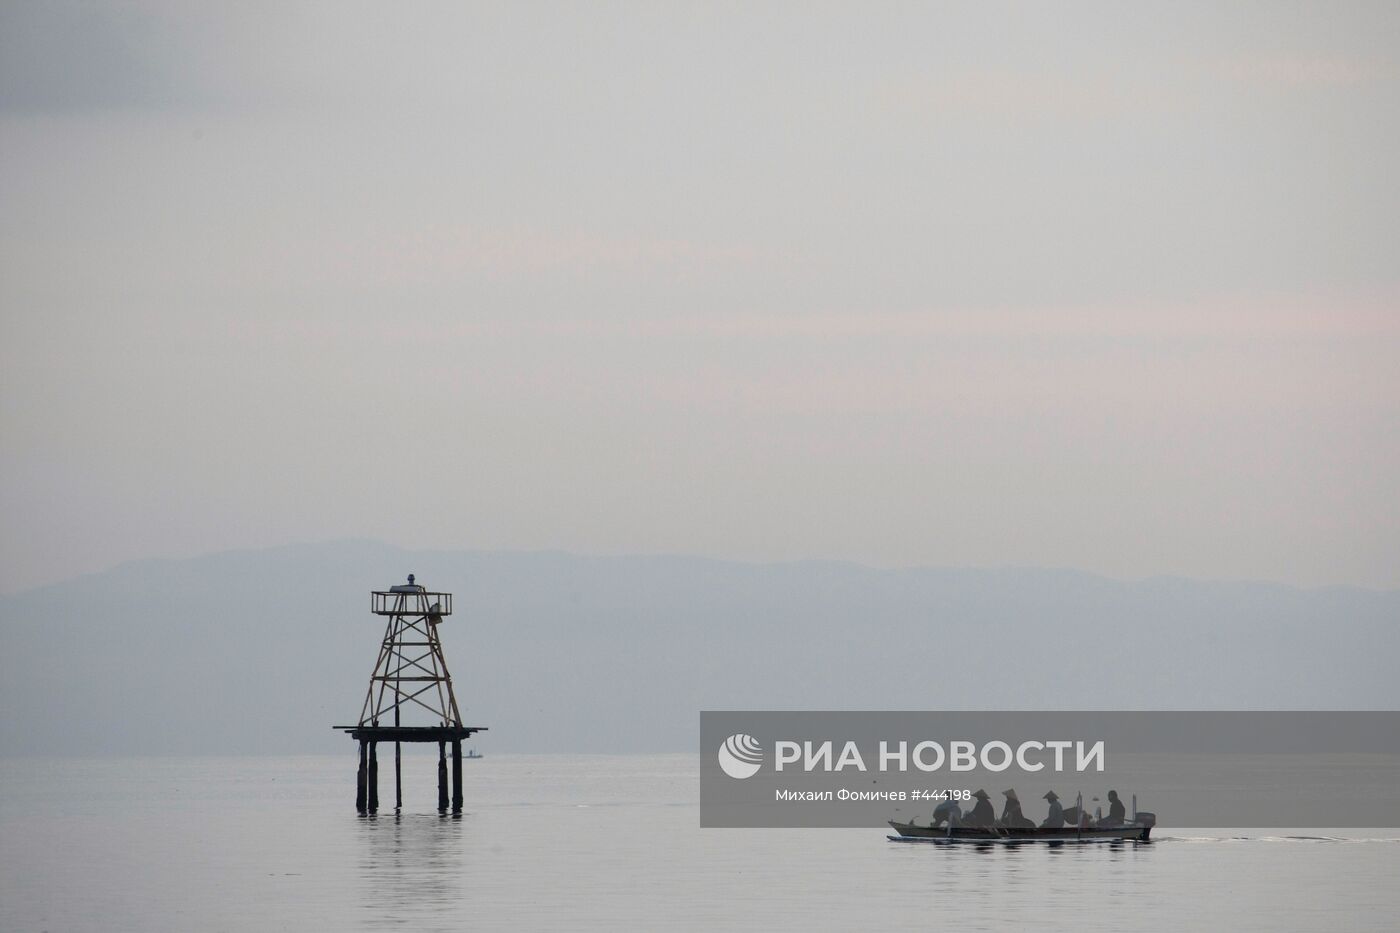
{"type": "Point", "coordinates": [262, 651]}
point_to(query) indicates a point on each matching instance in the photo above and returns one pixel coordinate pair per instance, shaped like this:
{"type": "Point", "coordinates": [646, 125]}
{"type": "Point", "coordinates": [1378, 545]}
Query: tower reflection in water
{"type": "Point", "coordinates": [412, 866]}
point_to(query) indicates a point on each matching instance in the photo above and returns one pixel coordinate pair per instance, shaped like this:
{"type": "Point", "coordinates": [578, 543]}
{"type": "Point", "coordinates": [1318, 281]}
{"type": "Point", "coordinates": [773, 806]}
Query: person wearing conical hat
{"type": "Point", "coordinates": [1011, 816]}
{"type": "Point", "coordinates": [1056, 818]}
{"type": "Point", "coordinates": [982, 813]}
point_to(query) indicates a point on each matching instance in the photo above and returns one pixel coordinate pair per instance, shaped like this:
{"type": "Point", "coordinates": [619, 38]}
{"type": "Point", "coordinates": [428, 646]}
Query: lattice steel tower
{"type": "Point", "coordinates": [410, 677]}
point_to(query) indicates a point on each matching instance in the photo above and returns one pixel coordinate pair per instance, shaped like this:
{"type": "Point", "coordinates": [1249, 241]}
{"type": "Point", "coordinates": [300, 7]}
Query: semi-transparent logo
{"type": "Point", "coordinates": [1221, 768]}
{"type": "Point", "coordinates": [741, 756]}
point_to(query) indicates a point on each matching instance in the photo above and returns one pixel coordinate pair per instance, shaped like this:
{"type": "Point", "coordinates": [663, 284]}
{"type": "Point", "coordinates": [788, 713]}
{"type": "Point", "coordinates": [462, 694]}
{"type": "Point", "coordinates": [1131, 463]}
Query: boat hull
{"type": "Point", "coordinates": [911, 833]}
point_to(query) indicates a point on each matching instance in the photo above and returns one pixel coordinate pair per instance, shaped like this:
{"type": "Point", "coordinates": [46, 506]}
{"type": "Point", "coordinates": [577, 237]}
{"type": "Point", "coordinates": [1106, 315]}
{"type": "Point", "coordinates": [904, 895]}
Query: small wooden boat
{"type": "Point", "coordinates": [1137, 831]}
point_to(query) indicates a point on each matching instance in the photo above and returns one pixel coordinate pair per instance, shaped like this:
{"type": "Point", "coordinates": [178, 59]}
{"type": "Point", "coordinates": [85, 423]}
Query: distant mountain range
{"type": "Point", "coordinates": [263, 651]}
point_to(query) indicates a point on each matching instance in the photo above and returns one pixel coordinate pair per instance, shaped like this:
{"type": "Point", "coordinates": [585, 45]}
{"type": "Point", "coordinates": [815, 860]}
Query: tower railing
{"type": "Point", "coordinates": [410, 601]}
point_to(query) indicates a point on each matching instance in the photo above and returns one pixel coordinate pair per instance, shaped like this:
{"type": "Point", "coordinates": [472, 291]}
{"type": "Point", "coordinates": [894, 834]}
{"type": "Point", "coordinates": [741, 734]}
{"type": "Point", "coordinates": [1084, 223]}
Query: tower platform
{"type": "Point", "coordinates": [410, 733]}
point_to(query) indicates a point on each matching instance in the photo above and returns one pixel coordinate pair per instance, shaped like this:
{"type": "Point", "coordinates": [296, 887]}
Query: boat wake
{"type": "Point", "coordinates": [1272, 838]}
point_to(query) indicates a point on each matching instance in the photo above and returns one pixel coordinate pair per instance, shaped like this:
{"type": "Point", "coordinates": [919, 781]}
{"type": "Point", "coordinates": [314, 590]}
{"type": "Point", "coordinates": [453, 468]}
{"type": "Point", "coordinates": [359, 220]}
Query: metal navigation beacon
{"type": "Point", "coordinates": [410, 679]}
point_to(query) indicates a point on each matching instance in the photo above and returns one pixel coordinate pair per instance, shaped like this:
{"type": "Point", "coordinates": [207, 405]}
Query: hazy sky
{"type": "Point", "coordinates": [1114, 286]}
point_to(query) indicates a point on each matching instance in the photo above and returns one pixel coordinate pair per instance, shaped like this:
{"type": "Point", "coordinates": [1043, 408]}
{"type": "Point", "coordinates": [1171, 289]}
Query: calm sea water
{"type": "Point", "coordinates": [598, 842]}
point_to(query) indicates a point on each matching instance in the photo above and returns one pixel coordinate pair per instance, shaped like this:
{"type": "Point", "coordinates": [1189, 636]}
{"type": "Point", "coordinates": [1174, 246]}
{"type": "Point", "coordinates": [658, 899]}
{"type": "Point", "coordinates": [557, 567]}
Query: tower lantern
{"type": "Point", "coordinates": [410, 683]}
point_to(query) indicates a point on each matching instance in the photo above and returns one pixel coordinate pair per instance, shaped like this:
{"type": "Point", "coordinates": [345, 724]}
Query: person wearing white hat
{"type": "Point", "coordinates": [1055, 819]}
{"type": "Point", "coordinates": [948, 812]}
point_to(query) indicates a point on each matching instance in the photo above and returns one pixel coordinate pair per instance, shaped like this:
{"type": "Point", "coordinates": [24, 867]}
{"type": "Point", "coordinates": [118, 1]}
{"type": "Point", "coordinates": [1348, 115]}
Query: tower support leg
{"type": "Point", "coordinates": [398, 779]}
{"type": "Point", "coordinates": [373, 778]}
{"type": "Point", "coordinates": [360, 780]}
{"type": "Point", "coordinates": [456, 775]}
{"type": "Point", "coordinates": [442, 776]}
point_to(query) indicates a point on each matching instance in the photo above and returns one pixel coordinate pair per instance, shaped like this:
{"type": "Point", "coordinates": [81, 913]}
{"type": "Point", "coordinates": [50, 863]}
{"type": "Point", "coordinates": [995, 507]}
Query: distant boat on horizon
{"type": "Point", "coordinates": [473, 753]}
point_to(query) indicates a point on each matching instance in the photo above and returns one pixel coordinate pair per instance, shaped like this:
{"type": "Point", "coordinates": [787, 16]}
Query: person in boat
{"type": "Point", "coordinates": [1078, 816]}
{"type": "Point", "coordinates": [1011, 816]}
{"type": "Point", "coordinates": [981, 815]}
{"type": "Point", "coordinates": [1055, 819]}
{"type": "Point", "coordinates": [946, 813]}
{"type": "Point", "coordinates": [1116, 814]}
